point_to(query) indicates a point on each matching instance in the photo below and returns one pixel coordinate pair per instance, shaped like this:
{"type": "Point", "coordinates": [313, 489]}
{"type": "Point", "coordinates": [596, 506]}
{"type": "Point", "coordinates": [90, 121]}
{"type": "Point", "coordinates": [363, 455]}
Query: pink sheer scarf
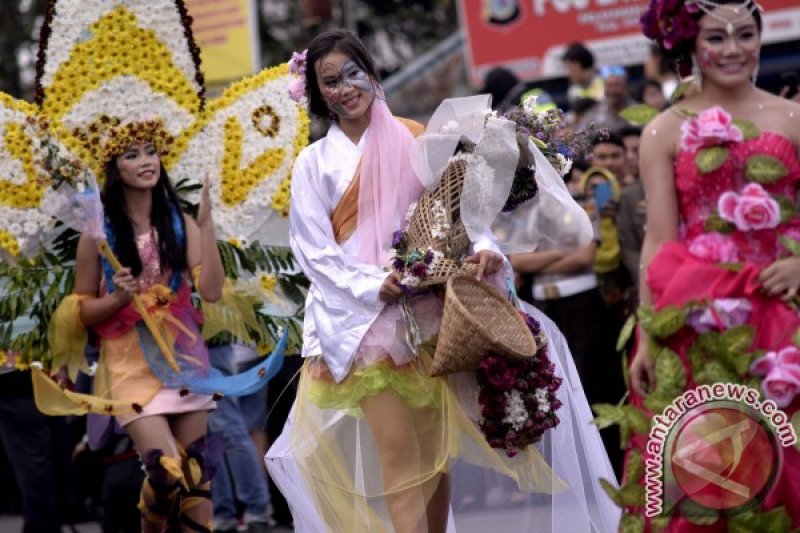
{"type": "Point", "coordinates": [388, 184]}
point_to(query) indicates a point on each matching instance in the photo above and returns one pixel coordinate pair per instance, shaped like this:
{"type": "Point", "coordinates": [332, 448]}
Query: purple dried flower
{"type": "Point", "coordinates": [397, 237]}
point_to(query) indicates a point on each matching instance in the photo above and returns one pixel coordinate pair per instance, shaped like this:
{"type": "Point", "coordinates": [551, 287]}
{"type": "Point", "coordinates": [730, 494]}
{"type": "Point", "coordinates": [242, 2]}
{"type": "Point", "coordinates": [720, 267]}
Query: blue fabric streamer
{"type": "Point", "coordinates": [212, 382]}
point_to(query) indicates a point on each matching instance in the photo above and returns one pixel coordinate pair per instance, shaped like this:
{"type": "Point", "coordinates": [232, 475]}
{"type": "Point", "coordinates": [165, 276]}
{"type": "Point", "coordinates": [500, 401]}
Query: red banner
{"type": "Point", "coordinates": [529, 36]}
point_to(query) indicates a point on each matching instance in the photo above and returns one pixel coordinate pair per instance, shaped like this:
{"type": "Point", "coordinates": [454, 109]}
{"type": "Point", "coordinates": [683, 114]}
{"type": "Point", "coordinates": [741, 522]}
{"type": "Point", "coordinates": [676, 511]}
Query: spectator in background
{"type": "Point", "coordinates": [631, 213]}
{"type": "Point", "coordinates": [617, 97]}
{"type": "Point", "coordinates": [36, 448]}
{"type": "Point", "coordinates": [240, 478]}
{"type": "Point", "coordinates": [608, 152]}
{"type": "Point", "coordinates": [631, 137]}
{"type": "Point", "coordinates": [659, 68]}
{"type": "Point", "coordinates": [505, 88]}
{"type": "Point", "coordinates": [650, 93]}
{"type": "Point", "coordinates": [584, 81]}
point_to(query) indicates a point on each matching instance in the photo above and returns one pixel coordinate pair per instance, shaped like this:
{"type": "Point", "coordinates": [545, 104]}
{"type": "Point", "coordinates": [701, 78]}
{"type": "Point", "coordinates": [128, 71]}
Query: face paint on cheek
{"type": "Point", "coordinates": [706, 57]}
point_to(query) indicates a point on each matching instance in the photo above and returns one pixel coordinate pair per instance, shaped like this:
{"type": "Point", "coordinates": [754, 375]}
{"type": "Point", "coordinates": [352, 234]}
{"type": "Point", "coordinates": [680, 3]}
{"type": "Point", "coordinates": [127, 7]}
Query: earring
{"type": "Point", "coordinates": [754, 75]}
{"type": "Point", "coordinates": [697, 74]}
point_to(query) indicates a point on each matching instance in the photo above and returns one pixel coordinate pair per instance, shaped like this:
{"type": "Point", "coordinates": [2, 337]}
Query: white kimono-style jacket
{"type": "Point", "coordinates": [343, 298]}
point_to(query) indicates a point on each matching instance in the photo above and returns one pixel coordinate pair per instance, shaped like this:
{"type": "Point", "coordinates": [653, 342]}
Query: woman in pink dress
{"type": "Point", "coordinates": [721, 275]}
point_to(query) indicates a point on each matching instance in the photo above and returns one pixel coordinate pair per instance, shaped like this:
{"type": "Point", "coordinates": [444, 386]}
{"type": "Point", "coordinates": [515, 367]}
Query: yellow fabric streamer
{"type": "Point", "coordinates": [67, 336]}
{"type": "Point", "coordinates": [52, 400]}
{"type": "Point", "coordinates": [233, 313]}
{"type": "Point", "coordinates": [166, 349]}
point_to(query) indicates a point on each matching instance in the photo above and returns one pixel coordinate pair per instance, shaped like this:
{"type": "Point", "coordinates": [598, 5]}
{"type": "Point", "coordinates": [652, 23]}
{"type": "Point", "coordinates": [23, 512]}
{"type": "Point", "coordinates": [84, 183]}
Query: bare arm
{"type": "Point", "coordinates": [87, 281]}
{"type": "Point", "coordinates": [201, 248]}
{"type": "Point", "coordinates": [532, 262]}
{"type": "Point", "coordinates": [656, 160]}
{"type": "Point", "coordinates": [580, 259]}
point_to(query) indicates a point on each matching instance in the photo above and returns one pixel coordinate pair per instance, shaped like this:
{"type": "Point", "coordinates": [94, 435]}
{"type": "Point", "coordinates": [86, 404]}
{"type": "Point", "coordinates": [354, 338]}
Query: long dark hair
{"type": "Point", "coordinates": [323, 44]}
{"type": "Point", "coordinates": [171, 253]}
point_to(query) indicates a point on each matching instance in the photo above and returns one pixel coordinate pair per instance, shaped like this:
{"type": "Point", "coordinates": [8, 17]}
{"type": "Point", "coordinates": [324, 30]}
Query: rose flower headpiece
{"type": "Point", "coordinates": [672, 24]}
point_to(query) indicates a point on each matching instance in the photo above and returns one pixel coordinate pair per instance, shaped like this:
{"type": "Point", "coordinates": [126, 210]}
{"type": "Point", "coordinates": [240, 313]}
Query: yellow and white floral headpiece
{"type": "Point", "coordinates": [119, 137]}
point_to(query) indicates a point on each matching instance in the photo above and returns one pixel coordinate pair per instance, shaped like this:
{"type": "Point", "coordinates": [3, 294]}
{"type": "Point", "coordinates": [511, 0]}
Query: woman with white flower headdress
{"type": "Point", "coordinates": [374, 443]}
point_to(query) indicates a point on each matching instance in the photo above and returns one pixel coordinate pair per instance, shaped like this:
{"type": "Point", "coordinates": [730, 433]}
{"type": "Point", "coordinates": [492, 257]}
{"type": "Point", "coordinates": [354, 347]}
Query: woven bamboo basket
{"type": "Point", "coordinates": [477, 321]}
{"type": "Point", "coordinates": [456, 243]}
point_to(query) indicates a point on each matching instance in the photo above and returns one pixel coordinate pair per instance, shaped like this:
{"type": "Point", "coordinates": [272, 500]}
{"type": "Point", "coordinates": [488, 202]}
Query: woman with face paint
{"type": "Point", "coordinates": [720, 172]}
{"type": "Point", "coordinates": [374, 443]}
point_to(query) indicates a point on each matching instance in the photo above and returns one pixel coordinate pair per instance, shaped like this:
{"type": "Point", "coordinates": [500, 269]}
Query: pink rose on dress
{"type": "Point", "coordinates": [711, 127]}
{"type": "Point", "coordinates": [715, 247]}
{"type": "Point", "coordinates": [781, 373]}
{"type": "Point", "coordinates": [753, 209]}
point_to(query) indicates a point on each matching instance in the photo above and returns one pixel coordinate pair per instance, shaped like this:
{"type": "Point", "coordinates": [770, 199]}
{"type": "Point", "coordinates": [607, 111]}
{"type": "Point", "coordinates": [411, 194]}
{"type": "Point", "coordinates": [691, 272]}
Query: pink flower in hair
{"type": "Point", "coordinates": [297, 66]}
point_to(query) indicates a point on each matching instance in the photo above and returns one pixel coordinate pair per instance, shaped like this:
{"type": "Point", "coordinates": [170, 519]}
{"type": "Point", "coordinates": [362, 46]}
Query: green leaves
{"type": "Point", "coordinates": [786, 206]}
{"type": "Point", "coordinates": [664, 323]}
{"type": "Point", "coordinates": [725, 356]}
{"type": "Point", "coordinates": [754, 521]}
{"type": "Point", "coordinates": [710, 159]}
{"type": "Point", "coordinates": [631, 523]}
{"type": "Point", "coordinates": [715, 223]}
{"type": "Point", "coordinates": [627, 330]}
{"type": "Point", "coordinates": [790, 244]}
{"type": "Point", "coordinates": [639, 114]}
{"type": "Point", "coordinates": [670, 380]}
{"type": "Point", "coordinates": [629, 418]}
{"type": "Point", "coordinates": [629, 495]}
{"type": "Point", "coordinates": [764, 169]}
{"type": "Point", "coordinates": [749, 130]}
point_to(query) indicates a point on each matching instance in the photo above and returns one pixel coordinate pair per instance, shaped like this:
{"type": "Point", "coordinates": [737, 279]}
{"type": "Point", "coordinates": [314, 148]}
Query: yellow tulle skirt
{"type": "Point", "coordinates": [374, 450]}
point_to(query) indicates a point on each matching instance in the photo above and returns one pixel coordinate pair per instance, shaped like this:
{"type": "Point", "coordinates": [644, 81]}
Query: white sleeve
{"type": "Point", "coordinates": [342, 282]}
{"type": "Point", "coordinates": [486, 241]}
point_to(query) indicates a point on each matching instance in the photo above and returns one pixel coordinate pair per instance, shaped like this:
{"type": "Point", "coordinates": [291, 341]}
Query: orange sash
{"type": "Point", "coordinates": [345, 216]}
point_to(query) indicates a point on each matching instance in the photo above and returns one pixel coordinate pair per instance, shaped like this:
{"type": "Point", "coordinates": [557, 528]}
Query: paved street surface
{"type": "Point", "coordinates": [13, 524]}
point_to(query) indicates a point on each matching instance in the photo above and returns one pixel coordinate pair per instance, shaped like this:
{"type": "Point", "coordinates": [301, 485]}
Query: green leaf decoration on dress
{"type": "Point", "coordinates": [749, 130]}
{"type": "Point", "coordinates": [627, 331]}
{"type": "Point", "coordinates": [670, 380]}
{"type": "Point", "coordinates": [790, 244]}
{"type": "Point", "coordinates": [637, 420]}
{"type": "Point", "coordinates": [629, 495]}
{"type": "Point", "coordinates": [665, 323]}
{"type": "Point", "coordinates": [796, 425]}
{"type": "Point", "coordinates": [639, 114]}
{"type": "Point", "coordinates": [787, 207]}
{"type": "Point", "coordinates": [659, 523]}
{"type": "Point", "coordinates": [764, 169]}
{"type": "Point", "coordinates": [607, 415]}
{"type": "Point", "coordinates": [698, 514]}
{"type": "Point", "coordinates": [754, 521]}
{"type": "Point", "coordinates": [710, 159]}
{"type": "Point", "coordinates": [634, 466]}
{"type": "Point", "coordinates": [715, 223]}
{"type": "Point", "coordinates": [722, 356]}
{"type": "Point", "coordinates": [631, 523]}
